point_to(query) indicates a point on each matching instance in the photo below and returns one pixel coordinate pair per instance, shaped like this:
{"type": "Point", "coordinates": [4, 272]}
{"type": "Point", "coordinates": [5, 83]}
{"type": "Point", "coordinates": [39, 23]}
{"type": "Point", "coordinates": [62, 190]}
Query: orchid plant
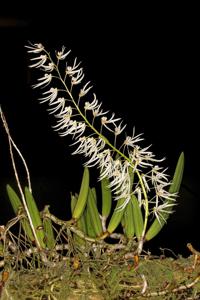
{"type": "Point", "coordinates": [130, 174]}
{"type": "Point", "coordinates": [133, 173]}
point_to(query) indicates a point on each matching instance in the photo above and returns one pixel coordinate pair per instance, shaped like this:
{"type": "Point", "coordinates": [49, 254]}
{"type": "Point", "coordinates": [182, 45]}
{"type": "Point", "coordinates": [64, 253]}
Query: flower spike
{"type": "Point", "coordinates": [79, 114]}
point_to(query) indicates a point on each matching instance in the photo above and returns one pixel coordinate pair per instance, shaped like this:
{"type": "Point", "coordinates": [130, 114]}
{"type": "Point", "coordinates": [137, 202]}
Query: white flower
{"type": "Point", "coordinates": [105, 164]}
{"type": "Point", "coordinates": [89, 145]}
{"type": "Point", "coordinates": [49, 68]}
{"type": "Point", "coordinates": [51, 95]}
{"type": "Point", "coordinates": [123, 187]}
{"type": "Point", "coordinates": [119, 129]}
{"type": "Point", "coordinates": [59, 104]}
{"type": "Point", "coordinates": [90, 148]}
{"type": "Point", "coordinates": [93, 161]}
{"type": "Point", "coordinates": [100, 144]}
{"type": "Point", "coordinates": [35, 48]}
{"type": "Point", "coordinates": [116, 174]}
{"type": "Point", "coordinates": [82, 148]}
{"type": "Point", "coordinates": [91, 105]}
{"type": "Point", "coordinates": [67, 126]}
{"type": "Point", "coordinates": [73, 127]}
{"type": "Point", "coordinates": [95, 152]}
{"type": "Point", "coordinates": [158, 176]}
{"type": "Point", "coordinates": [80, 129]}
{"type": "Point", "coordinates": [64, 116]}
{"type": "Point", "coordinates": [40, 61]}
{"type": "Point", "coordinates": [61, 55]}
{"type": "Point", "coordinates": [142, 158]}
{"type": "Point", "coordinates": [163, 194]}
{"type": "Point", "coordinates": [105, 121]}
{"type": "Point", "coordinates": [85, 89]}
{"type": "Point", "coordinates": [78, 77]}
{"type": "Point", "coordinates": [97, 112]}
{"type": "Point", "coordinates": [161, 211]}
{"type": "Point", "coordinates": [44, 81]}
{"type": "Point", "coordinates": [64, 112]}
{"type": "Point", "coordinates": [131, 141]}
{"type": "Point", "coordinates": [72, 70]}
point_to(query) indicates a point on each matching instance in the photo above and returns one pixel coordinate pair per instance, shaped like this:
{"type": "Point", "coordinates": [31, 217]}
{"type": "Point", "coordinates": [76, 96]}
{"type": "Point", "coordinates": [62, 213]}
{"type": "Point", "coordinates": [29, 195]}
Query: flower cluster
{"type": "Point", "coordinates": [88, 124]}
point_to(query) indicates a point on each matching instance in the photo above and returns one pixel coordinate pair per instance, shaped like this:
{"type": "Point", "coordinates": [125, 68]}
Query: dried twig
{"type": "Point", "coordinates": [11, 145]}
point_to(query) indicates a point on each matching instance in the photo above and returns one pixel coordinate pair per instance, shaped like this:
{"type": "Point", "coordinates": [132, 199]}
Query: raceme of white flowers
{"type": "Point", "coordinates": [79, 114]}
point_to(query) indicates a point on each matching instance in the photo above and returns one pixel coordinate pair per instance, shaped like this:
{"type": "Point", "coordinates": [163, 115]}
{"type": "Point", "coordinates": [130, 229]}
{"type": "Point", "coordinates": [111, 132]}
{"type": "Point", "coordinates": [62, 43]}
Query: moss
{"type": "Point", "coordinates": [109, 277]}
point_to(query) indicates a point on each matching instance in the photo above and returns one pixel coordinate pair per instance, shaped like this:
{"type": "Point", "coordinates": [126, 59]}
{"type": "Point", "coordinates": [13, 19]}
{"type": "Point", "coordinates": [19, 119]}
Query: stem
{"type": "Point", "coordinates": [11, 143]}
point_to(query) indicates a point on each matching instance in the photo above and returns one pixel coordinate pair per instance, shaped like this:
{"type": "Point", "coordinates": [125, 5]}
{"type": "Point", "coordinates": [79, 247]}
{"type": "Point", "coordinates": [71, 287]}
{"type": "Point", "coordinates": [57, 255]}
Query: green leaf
{"type": "Point", "coordinates": [48, 231]}
{"type": "Point", "coordinates": [35, 217]}
{"type": "Point", "coordinates": [90, 229]}
{"type": "Point", "coordinates": [116, 216]}
{"type": "Point", "coordinates": [73, 202]}
{"type": "Point", "coordinates": [82, 198]}
{"type": "Point", "coordinates": [14, 199]}
{"type": "Point", "coordinates": [106, 195]}
{"type": "Point", "coordinates": [93, 211]}
{"type": "Point", "coordinates": [128, 220]}
{"type": "Point", "coordinates": [81, 221]}
{"type": "Point", "coordinates": [137, 217]}
{"type": "Point", "coordinates": [17, 205]}
{"type": "Point", "coordinates": [174, 188]}
{"type": "Point", "coordinates": [178, 175]}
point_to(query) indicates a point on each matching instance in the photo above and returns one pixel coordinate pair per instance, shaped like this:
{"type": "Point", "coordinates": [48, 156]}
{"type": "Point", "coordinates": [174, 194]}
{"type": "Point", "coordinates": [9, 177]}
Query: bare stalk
{"type": "Point", "coordinates": [11, 145]}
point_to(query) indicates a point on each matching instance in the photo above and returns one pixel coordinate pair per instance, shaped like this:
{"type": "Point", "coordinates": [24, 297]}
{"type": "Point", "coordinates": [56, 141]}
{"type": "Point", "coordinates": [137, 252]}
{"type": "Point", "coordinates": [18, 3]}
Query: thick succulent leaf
{"type": "Point", "coordinates": [174, 188]}
{"type": "Point", "coordinates": [35, 217]}
{"type": "Point", "coordinates": [82, 197]}
{"type": "Point", "coordinates": [17, 205]}
{"type": "Point", "coordinates": [106, 197]}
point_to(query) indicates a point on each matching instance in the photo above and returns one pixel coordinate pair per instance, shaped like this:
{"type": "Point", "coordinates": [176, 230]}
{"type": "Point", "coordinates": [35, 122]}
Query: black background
{"type": "Point", "coordinates": [144, 66]}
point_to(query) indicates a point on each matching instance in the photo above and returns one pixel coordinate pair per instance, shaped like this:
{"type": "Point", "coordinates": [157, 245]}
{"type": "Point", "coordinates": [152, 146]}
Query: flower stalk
{"type": "Point", "coordinates": [88, 124]}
